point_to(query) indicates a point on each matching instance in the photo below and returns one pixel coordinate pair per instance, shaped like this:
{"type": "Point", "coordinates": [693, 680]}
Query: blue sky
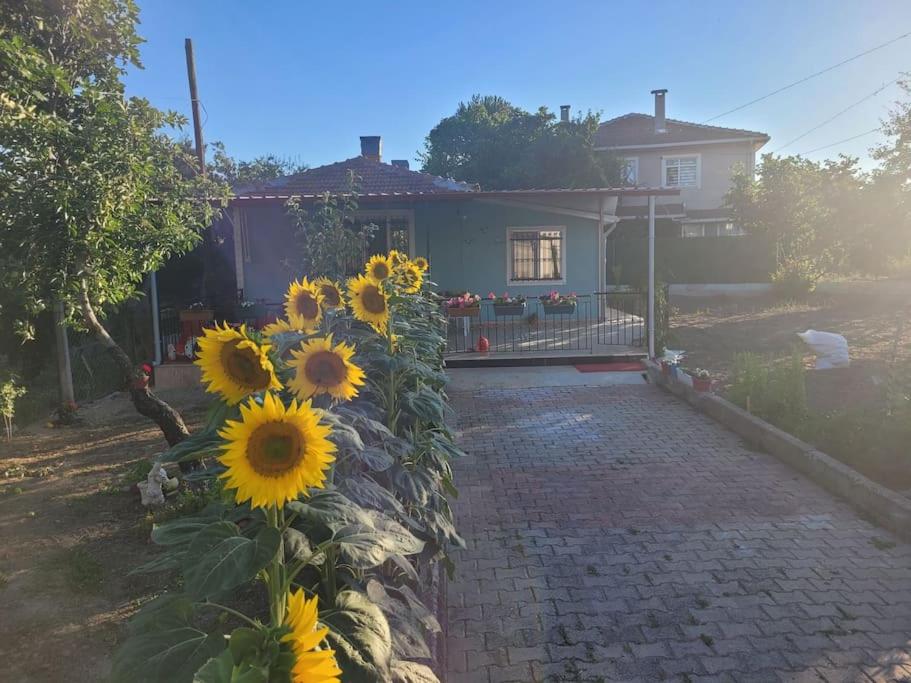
{"type": "Point", "coordinates": [303, 80]}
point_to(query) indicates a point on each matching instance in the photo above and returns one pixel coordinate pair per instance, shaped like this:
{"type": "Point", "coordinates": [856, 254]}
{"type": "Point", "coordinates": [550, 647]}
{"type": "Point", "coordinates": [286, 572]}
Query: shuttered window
{"type": "Point", "coordinates": [681, 171]}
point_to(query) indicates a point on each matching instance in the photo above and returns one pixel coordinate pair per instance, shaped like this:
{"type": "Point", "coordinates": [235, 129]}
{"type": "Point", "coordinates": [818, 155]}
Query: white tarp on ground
{"type": "Point", "coordinates": [831, 349]}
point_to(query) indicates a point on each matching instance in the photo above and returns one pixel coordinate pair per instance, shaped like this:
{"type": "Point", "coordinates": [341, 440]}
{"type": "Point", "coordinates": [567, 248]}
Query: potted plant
{"type": "Point", "coordinates": [666, 368]}
{"type": "Point", "coordinates": [702, 379]}
{"type": "Point", "coordinates": [465, 305]}
{"type": "Point", "coordinates": [558, 304]}
{"type": "Point", "coordinates": [196, 313]}
{"type": "Point", "coordinates": [507, 305]}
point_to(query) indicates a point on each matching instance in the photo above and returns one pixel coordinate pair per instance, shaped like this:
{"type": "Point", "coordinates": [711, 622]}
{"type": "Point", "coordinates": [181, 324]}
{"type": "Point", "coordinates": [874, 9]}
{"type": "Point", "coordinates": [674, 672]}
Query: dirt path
{"type": "Point", "coordinates": [70, 534]}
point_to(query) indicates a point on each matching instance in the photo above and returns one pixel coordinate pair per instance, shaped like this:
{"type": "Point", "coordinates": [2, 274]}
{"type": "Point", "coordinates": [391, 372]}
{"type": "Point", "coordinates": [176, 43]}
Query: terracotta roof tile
{"type": "Point", "coordinates": [374, 178]}
{"type": "Point", "coordinates": [639, 129]}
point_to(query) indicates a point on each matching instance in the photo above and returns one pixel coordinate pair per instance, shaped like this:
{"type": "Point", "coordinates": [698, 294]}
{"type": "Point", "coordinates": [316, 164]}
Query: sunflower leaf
{"type": "Point", "coordinates": [412, 672]}
{"type": "Point", "coordinates": [219, 562]}
{"type": "Point", "coordinates": [360, 636]}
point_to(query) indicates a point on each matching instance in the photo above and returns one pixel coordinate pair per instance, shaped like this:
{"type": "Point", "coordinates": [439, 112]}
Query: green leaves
{"type": "Point", "coordinates": [219, 558]}
{"type": "Point", "coordinates": [359, 634]}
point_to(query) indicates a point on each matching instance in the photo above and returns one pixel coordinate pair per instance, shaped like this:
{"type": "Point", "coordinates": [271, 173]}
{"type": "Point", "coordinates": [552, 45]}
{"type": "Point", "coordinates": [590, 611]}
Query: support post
{"type": "Point", "coordinates": [64, 369]}
{"type": "Point", "coordinates": [156, 318]}
{"type": "Point", "coordinates": [651, 276]}
{"type": "Point", "coordinates": [194, 104]}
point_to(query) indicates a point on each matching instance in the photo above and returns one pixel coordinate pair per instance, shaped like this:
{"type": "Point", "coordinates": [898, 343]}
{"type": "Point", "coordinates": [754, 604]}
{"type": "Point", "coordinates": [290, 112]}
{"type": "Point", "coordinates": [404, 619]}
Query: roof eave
{"type": "Point", "coordinates": [754, 139]}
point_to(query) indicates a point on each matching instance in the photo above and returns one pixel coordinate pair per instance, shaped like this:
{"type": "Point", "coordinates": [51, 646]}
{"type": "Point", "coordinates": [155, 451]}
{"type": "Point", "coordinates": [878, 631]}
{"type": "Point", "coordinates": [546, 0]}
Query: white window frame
{"type": "Point", "coordinates": [633, 164]}
{"type": "Point", "coordinates": [717, 224]}
{"type": "Point", "coordinates": [381, 218]}
{"type": "Point", "coordinates": [676, 157]}
{"type": "Point", "coordinates": [510, 282]}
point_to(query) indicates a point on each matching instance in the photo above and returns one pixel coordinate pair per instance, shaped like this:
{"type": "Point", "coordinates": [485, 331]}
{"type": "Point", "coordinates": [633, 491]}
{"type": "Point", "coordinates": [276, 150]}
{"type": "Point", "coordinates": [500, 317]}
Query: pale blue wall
{"type": "Point", "coordinates": [466, 243]}
{"type": "Point", "coordinates": [464, 240]}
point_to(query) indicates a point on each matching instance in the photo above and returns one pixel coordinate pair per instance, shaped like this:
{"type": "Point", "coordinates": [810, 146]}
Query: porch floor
{"type": "Point", "coordinates": [598, 353]}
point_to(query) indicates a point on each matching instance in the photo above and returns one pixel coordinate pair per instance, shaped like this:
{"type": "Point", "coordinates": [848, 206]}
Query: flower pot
{"type": "Point", "coordinates": [466, 312]}
{"type": "Point", "coordinates": [508, 309]}
{"type": "Point", "coordinates": [702, 384]}
{"type": "Point", "coordinates": [196, 315]}
{"type": "Point", "coordinates": [665, 368]}
{"type": "Point", "coordinates": [559, 309]}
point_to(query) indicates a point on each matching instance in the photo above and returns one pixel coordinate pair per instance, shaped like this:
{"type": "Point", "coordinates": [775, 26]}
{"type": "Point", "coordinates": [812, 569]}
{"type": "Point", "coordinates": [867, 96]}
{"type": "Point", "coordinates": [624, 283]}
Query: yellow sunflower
{"type": "Point", "coordinates": [234, 365]}
{"type": "Point", "coordinates": [303, 305]}
{"type": "Point", "coordinates": [379, 267]}
{"type": "Point", "coordinates": [312, 665]}
{"type": "Point", "coordinates": [422, 263]}
{"type": "Point", "coordinates": [274, 454]}
{"type": "Point", "coordinates": [331, 291]}
{"type": "Point", "coordinates": [410, 277]}
{"type": "Point", "coordinates": [278, 327]}
{"type": "Point", "coordinates": [321, 368]}
{"type": "Point", "coordinates": [368, 301]}
{"type": "Point", "coordinates": [397, 257]}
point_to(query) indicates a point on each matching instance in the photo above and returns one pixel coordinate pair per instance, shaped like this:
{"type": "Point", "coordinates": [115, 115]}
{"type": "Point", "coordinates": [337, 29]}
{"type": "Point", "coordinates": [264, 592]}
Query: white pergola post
{"type": "Point", "coordinates": [651, 276]}
{"type": "Point", "coordinates": [156, 326]}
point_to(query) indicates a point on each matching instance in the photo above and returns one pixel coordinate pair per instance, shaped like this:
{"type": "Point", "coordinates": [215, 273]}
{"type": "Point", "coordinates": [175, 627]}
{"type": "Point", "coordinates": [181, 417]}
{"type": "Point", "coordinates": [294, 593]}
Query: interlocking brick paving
{"type": "Point", "coordinates": [615, 534]}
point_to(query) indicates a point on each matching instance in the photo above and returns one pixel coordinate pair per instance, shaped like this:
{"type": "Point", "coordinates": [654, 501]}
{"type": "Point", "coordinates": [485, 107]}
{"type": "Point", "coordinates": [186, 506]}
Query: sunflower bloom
{"type": "Point", "coordinates": [397, 257]}
{"type": "Point", "coordinates": [410, 277]}
{"type": "Point", "coordinates": [312, 665]}
{"type": "Point", "coordinates": [422, 263]}
{"type": "Point", "coordinates": [280, 326]}
{"type": "Point", "coordinates": [234, 365]}
{"type": "Point", "coordinates": [321, 368]}
{"type": "Point", "coordinates": [303, 305]}
{"type": "Point", "coordinates": [331, 291]}
{"type": "Point", "coordinates": [368, 301]}
{"type": "Point", "coordinates": [274, 454]}
{"type": "Point", "coordinates": [379, 267]}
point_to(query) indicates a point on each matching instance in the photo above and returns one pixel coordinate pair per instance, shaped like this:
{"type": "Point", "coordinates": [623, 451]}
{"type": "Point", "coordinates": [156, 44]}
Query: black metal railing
{"type": "Point", "coordinates": [622, 317]}
{"type": "Point", "coordinates": [532, 327]}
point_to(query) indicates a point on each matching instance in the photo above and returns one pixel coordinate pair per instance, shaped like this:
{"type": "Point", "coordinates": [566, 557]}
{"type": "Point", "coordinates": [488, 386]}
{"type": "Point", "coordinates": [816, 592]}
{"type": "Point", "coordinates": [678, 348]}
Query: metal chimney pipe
{"type": "Point", "coordinates": [660, 119]}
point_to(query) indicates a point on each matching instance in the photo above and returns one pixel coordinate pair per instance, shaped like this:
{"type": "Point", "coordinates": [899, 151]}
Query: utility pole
{"type": "Point", "coordinates": [194, 103]}
{"type": "Point", "coordinates": [64, 369]}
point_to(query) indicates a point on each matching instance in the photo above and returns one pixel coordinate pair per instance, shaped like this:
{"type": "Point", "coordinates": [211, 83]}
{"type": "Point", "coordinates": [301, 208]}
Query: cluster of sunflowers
{"type": "Point", "coordinates": [280, 450]}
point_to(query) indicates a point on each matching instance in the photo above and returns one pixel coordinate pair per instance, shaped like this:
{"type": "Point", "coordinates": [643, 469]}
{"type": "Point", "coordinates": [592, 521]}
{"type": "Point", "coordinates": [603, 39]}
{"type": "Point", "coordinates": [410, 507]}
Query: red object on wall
{"type": "Point", "coordinates": [483, 345]}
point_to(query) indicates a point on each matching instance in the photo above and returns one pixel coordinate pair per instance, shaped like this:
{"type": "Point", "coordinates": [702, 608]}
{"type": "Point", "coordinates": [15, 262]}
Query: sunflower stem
{"type": "Point", "coordinates": [233, 612]}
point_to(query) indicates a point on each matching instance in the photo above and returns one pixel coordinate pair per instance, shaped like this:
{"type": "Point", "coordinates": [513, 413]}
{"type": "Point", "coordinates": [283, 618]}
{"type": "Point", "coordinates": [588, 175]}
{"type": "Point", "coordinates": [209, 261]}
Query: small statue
{"type": "Point", "coordinates": [152, 490]}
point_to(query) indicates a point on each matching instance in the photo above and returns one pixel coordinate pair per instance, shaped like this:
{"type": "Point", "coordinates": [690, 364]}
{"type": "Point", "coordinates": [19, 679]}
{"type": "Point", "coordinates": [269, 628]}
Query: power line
{"type": "Point", "coordinates": [836, 115]}
{"type": "Point", "coordinates": [811, 76]}
{"type": "Point", "coordinates": [853, 137]}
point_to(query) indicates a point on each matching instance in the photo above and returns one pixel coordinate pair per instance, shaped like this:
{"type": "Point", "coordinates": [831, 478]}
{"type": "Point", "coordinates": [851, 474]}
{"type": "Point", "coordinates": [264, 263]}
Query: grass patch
{"type": "Point", "coordinates": [882, 543]}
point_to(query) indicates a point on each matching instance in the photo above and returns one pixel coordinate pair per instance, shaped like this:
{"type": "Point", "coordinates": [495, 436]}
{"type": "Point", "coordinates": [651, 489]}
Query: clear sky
{"type": "Point", "coordinates": [304, 79]}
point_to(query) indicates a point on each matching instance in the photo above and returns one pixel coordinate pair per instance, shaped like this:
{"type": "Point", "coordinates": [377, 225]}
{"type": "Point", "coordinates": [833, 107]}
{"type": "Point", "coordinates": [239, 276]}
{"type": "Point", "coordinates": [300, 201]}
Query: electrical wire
{"type": "Point", "coordinates": [853, 137]}
{"type": "Point", "coordinates": [836, 115]}
{"type": "Point", "coordinates": [811, 76]}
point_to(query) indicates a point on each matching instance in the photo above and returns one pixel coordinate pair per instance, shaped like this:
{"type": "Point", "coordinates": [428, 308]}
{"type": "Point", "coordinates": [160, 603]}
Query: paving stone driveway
{"type": "Point", "coordinates": [615, 534]}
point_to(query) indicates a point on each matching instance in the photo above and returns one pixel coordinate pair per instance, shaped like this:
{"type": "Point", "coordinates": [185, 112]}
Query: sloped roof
{"type": "Point", "coordinates": [632, 130]}
{"type": "Point", "coordinates": [373, 177]}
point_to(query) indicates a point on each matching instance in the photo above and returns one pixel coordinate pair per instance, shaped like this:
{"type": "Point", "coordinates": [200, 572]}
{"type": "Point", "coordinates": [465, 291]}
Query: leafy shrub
{"type": "Point", "coordinates": [10, 392]}
{"type": "Point", "coordinates": [776, 392]}
{"type": "Point", "coordinates": [795, 278]}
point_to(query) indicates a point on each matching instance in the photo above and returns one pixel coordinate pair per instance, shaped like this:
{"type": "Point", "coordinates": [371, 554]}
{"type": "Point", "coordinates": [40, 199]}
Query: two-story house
{"type": "Point", "coordinates": [698, 160]}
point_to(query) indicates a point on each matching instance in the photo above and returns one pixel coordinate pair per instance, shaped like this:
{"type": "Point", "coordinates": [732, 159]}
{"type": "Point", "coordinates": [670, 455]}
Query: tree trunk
{"type": "Point", "coordinates": [136, 380]}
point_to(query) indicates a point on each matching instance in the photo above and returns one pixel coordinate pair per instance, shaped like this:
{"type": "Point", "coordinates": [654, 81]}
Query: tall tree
{"type": "Point", "coordinates": [94, 194]}
{"type": "Point", "coordinates": [500, 146]}
{"type": "Point", "coordinates": [239, 173]}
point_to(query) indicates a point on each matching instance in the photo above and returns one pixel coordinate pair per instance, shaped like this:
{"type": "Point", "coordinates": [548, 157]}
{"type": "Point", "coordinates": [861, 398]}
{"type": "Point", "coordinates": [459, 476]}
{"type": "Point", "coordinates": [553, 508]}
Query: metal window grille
{"type": "Point", "coordinates": [536, 255]}
{"type": "Point", "coordinates": [681, 172]}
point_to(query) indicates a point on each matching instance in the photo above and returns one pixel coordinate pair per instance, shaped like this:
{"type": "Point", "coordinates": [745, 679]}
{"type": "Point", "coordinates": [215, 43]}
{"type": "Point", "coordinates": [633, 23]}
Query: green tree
{"type": "Point", "coordinates": [238, 173]}
{"type": "Point", "coordinates": [94, 194]}
{"type": "Point", "coordinates": [810, 211]}
{"type": "Point", "coordinates": [500, 146]}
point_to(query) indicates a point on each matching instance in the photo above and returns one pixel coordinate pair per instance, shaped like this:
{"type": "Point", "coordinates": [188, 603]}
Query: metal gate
{"type": "Point", "coordinates": [622, 317]}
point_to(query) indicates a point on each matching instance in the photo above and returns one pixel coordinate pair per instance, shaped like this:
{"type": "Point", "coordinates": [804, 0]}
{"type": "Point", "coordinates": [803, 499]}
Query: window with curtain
{"type": "Point", "coordinates": [536, 255]}
{"type": "Point", "coordinates": [682, 171]}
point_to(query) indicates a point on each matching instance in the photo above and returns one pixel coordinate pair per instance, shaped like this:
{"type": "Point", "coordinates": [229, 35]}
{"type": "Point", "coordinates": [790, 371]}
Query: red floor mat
{"type": "Point", "coordinates": [617, 366]}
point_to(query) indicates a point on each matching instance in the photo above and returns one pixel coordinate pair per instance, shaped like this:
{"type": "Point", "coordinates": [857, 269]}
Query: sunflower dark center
{"type": "Point", "coordinates": [380, 270]}
{"type": "Point", "coordinates": [331, 295]}
{"type": "Point", "coordinates": [306, 305]}
{"type": "Point", "coordinates": [373, 300]}
{"type": "Point", "coordinates": [274, 449]}
{"type": "Point", "coordinates": [244, 367]}
{"type": "Point", "coordinates": [325, 369]}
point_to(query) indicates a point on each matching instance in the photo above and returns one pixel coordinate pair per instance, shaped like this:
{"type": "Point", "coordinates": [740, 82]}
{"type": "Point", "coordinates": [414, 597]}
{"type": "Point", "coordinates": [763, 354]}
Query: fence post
{"type": "Point", "coordinates": [651, 276]}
